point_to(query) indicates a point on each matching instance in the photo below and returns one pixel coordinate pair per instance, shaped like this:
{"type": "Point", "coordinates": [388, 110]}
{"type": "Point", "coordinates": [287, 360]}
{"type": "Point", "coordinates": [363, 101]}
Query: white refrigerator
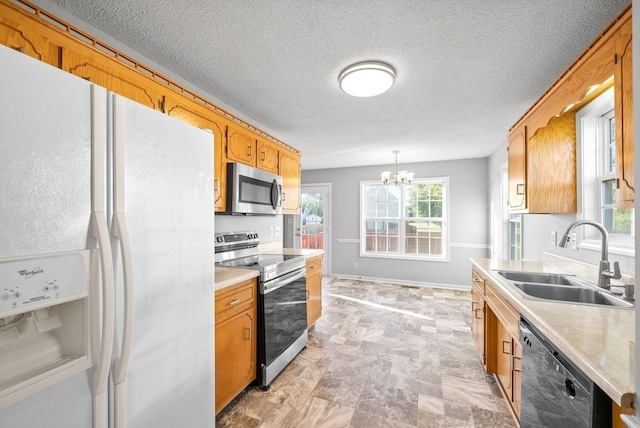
{"type": "Point", "coordinates": [106, 258]}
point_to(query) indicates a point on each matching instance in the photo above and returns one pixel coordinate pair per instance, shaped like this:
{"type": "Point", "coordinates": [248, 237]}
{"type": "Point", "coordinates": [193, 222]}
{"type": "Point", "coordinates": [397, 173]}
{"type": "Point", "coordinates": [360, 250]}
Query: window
{"type": "Point", "coordinates": [515, 237]}
{"type": "Point", "coordinates": [597, 178]}
{"type": "Point", "coordinates": [408, 221]}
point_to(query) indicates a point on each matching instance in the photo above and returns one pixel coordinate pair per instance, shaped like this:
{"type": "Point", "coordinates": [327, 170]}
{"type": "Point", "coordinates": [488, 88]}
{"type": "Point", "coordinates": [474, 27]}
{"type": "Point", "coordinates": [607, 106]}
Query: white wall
{"type": "Point", "coordinates": [468, 211]}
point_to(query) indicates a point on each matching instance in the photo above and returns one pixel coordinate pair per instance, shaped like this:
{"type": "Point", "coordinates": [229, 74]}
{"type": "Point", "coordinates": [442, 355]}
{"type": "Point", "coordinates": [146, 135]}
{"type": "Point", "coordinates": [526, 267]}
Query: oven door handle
{"type": "Point", "coordinates": [270, 286]}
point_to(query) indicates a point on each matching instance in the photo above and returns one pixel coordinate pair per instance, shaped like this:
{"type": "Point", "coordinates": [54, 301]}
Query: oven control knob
{"type": "Point", "coordinates": [219, 239]}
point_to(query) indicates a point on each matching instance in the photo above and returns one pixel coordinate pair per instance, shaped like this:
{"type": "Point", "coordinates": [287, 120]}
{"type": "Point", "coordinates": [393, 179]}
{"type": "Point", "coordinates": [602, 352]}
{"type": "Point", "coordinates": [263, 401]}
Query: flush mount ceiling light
{"type": "Point", "coordinates": [401, 177]}
{"type": "Point", "coordinates": [367, 79]}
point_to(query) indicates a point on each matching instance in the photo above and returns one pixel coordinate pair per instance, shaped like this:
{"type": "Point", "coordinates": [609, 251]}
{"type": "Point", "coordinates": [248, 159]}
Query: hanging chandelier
{"type": "Point", "coordinates": [401, 177]}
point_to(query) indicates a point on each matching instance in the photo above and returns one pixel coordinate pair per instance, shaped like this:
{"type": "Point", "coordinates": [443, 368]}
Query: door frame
{"type": "Point", "coordinates": [326, 220]}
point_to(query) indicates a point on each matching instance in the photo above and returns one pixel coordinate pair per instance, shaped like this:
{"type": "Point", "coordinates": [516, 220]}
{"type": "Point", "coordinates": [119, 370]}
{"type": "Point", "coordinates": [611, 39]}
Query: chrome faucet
{"type": "Point", "coordinates": [604, 274]}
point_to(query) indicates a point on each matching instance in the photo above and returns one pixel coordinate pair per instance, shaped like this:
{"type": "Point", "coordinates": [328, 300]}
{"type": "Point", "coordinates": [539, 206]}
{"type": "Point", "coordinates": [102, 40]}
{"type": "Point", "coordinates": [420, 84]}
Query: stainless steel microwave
{"type": "Point", "coordinates": [253, 191]}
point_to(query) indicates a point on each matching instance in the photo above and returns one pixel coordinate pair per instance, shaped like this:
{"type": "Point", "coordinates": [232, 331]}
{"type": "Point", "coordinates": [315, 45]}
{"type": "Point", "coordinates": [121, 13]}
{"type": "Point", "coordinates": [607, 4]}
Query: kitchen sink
{"type": "Point", "coordinates": [537, 277]}
{"type": "Point", "coordinates": [560, 288]}
{"type": "Point", "coordinates": [572, 294]}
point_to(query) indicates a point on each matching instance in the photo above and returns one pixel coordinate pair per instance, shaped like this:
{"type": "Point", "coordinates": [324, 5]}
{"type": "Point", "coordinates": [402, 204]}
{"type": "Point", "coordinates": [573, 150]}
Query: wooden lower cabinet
{"type": "Point", "coordinates": [478, 314]}
{"type": "Point", "coordinates": [235, 341]}
{"type": "Point", "coordinates": [314, 290]}
{"type": "Point", "coordinates": [496, 336]}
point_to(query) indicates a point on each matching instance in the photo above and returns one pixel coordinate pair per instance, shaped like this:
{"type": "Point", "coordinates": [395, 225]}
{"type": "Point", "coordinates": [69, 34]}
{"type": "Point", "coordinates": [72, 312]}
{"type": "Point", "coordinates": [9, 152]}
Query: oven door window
{"type": "Point", "coordinates": [285, 317]}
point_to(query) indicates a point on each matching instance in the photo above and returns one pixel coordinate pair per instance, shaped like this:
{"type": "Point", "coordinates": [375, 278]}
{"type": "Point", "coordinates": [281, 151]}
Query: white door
{"type": "Point", "coordinates": [315, 220]}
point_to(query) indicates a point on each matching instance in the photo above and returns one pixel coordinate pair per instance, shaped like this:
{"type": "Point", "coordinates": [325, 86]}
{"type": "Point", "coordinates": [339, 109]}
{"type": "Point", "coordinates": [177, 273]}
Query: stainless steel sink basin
{"type": "Point", "coordinates": [573, 294]}
{"type": "Point", "coordinates": [537, 277]}
{"type": "Point", "coordinates": [560, 288]}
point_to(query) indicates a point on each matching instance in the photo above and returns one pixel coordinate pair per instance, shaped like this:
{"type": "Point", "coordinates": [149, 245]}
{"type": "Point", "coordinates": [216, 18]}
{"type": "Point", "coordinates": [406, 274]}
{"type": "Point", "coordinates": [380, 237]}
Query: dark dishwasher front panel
{"type": "Point", "coordinates": [555, 393]}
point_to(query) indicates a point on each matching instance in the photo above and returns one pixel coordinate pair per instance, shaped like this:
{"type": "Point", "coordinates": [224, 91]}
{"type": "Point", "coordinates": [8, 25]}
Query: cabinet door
{"type": "Point", "coordinates": [241, 145]}
{"type": "Point", "coordinates": [551, 167]}
{"type": "Point", "coordinates": [623, 94]}
{"type": "Point", "coordinates": [28, 35]}
{"type": "Point", "coordinates": [112, 74]}
{"type": "Point", "coordinates": [517, 169]}
{"type": "Point", "coordinates": [314, 290]}
{"type": "Point", "coordinates": [267, 156]}
{"type": "Point", "coordinates": [290, 172]}
{"type": "Point", "coordinates": [235, 357]}
{"type": "Point", "coordinates": [504, 353]}
{"type": "Point", "coordinates": [188, 111]}
{"type": "Point", "coordinates": [478, 321]}
{"type": "Point", "coordinates": [516, 365]}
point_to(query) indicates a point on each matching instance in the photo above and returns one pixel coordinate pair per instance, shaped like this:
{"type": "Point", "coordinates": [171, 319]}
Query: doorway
{"type": "Point", "coordinates": [315, 220]}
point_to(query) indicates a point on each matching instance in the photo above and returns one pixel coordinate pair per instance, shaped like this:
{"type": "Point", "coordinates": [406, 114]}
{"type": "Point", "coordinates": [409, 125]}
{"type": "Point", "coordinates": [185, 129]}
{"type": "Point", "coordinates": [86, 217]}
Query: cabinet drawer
{"type": "Point", "coordinates": [314, 266]}
{"type": "Point", "coordinates": [477, 281]}
{"type": "Point", "coordinates": [235, 299]}
{"type": "Point", "coordinates": [503, 310]}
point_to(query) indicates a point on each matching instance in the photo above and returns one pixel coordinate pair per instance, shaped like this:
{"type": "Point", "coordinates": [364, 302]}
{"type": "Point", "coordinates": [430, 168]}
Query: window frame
{"type": "Point", "coordinates": [402, 219]}
{"type": "Point", "coordinates": [593, 172]}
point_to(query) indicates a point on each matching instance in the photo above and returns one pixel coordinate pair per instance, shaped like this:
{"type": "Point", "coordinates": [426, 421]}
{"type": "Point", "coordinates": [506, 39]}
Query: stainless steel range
{"type": "Point", "coordinates": [282, 299]}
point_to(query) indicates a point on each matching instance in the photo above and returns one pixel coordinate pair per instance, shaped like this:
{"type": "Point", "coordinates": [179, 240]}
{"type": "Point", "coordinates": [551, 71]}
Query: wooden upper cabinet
{"type": "Point", "coordinates": [547, 131]}
{"type": "Point", "coordinates": [199, 116]}
{"type": "Point", "coordinates": [542, 168]}
{"type": "Point", "coordinates": [518, 169]}
{"type": "Point", "coordinates": [21, 31]}
{"type": "Point", "coordinates": [117, 77]}
{"type": "Point", "coordinates": [291, 181]}
{"type": "Point", "coordinates": [623, 94]}
{"type": "Point", "coordinates": [551, 167]}
{"type": "Point", "coordinates": [47, 38]}
{"type": "Point", "coordinates": [268, 159]}
{"type": "Point", "coordinates": [241, 145]}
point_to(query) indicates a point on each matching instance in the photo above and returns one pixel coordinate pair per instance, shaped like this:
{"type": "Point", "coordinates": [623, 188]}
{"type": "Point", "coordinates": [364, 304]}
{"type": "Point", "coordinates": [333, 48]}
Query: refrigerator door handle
{"type": "Point", "coordinates": [101, 371]}
{"type": "Point", "coordinates": [121, 232]}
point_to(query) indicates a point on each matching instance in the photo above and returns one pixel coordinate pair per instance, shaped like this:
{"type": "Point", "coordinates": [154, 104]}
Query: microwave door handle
{"type": "Point", "coordinates": [275, 195]}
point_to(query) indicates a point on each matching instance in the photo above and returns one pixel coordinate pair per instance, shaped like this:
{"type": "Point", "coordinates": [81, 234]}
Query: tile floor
{"type": "Point", "coordinates": [382, 355]}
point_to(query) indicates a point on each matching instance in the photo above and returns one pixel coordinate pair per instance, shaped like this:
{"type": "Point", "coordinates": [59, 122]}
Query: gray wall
{"type": "Point", "coordinates": [468, 218]}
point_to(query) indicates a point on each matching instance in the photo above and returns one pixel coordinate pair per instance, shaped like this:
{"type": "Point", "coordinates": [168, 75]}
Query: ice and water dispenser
{"type": "Point", "coordinates": [44, 322]}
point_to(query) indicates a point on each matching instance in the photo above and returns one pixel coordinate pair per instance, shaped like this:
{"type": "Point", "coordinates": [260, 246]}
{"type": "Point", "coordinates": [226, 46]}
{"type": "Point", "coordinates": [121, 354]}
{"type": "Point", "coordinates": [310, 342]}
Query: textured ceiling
{"type": "Point", "coordinates": [466, 70]}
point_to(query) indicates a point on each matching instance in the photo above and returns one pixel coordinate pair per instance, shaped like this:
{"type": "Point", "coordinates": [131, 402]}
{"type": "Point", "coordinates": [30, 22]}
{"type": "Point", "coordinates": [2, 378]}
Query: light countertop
{"type": "Point", "coordinates": [225, 277]}
{"type": "Point", "coordinates": [599, 340]}
{"type": "Point", "coordinates": [306, 252]}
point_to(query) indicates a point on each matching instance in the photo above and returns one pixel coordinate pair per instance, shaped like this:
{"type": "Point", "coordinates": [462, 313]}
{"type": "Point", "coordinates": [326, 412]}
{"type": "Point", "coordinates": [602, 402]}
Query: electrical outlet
{"type": "Point", "coordinates": [574, 241]}
{"type": "Point", "coordinates": [277, 230]}
{"type": "Point", "coordinates": [271, 231]}
{"type": "Point", "coordinates": [554, 238]}
{"type": "Point", "coordinates": [355, 266]}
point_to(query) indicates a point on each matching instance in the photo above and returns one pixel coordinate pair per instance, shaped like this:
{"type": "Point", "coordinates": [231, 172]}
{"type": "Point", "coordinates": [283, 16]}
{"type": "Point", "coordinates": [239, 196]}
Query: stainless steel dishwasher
{"type": "Point", "coordinates": [555, 393]}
